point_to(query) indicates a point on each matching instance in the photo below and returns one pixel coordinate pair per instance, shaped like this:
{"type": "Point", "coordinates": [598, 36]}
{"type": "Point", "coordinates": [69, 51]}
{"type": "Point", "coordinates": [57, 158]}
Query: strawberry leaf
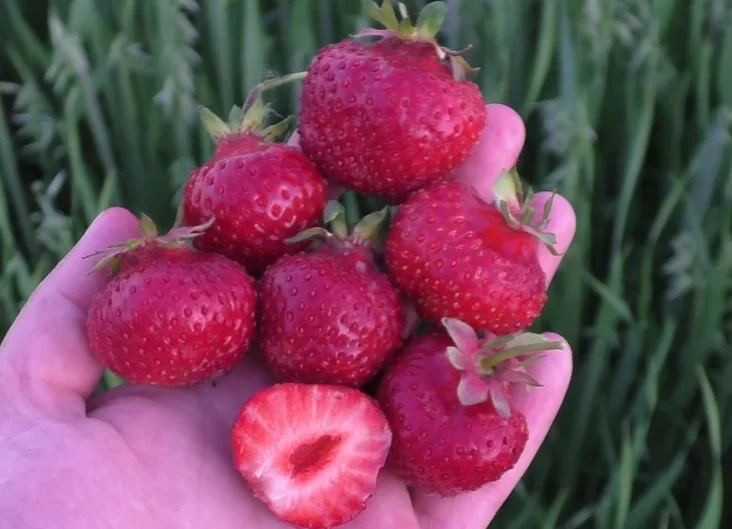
{"type": "Point", "coordinates": [458, 359]}
{"type": "Point", "coordinates": [383, 14]}
{"type": "Point", "coordinates": [213, 124]}
{"type": "Point", "coordinates": [333, 209]}
{"type": "Point", "coordinates": [368, 227]}
{"type": "Point", "coordinates": [308, 234]}
{"type": "Point", "coordinates": [278, 129]}
{"type": "Point", "coordinates": [147, 226]}
{"type": "Point", "coordinates": [472, 390]}
{"type": "Point", "coordinates": [500, 401]}
{"type": "Point", "coordinates": [462, 334]}
{"type": "Point", "coordinates": [236, 115]}
{"type": "Point", "coordinates": [430, 19]}
{"type": "Point", "coordinates": [519, 377]}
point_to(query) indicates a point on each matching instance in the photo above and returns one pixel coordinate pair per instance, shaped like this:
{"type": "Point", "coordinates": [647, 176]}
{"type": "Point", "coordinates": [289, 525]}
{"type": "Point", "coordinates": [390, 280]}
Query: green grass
{"type": "Point", "coordinates": [628, 106]}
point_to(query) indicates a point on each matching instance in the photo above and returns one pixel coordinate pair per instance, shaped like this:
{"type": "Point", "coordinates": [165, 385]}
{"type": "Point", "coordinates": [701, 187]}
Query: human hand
{"type": "Point", "coordinates": [143, 457]}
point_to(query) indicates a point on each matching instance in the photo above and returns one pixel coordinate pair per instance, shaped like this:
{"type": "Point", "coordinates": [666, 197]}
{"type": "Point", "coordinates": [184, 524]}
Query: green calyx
{"type": "Point", "coordinates": [429, 21]}
{"type": "Point", "coordinates": [177, 237]}
{"type": "Point", "coordinates": [364, 233]}
{"type": "Point", "coordinates": [515, 205]}
{"type": "Point", "coordinates": [251, 116]}
{"type": "Point", "coordinates": [489, 364]}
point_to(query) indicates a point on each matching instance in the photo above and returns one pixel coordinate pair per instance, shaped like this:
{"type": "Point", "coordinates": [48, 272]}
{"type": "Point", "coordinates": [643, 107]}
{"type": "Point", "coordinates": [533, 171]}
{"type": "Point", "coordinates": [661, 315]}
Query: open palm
{"type": "Point", "coordinates": [148, 458]}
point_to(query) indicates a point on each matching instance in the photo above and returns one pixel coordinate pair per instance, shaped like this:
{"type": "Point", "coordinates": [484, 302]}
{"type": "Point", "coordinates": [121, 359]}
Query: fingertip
{"type": "Point", "coordinates": [112, 226]}
{"type": "Point", "coordinates": [562, 223]}
{"type": "Point", "coordinates": [116, 213]}
{"type": "Point", "coordinates": [498, 150]}
{"type": "Point", "coordinates": [557, 366]}
{"type": "Point", "coordinates": [294, 139]}
{"type": "Point", "coordinates": [512, 124]}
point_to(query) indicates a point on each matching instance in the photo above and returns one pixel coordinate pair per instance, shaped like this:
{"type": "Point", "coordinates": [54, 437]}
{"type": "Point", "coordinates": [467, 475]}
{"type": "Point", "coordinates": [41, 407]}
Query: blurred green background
{"type": "Point", "coordinates": [628, 105]}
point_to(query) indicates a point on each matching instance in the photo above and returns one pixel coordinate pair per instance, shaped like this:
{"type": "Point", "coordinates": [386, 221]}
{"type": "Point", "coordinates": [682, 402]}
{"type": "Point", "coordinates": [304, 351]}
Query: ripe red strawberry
{"type": "Point", "coordinates": [171, 316]}
{"type": "Point", "coordinates": [310, 452]}
{"type": "Point", "coordinates": [456, 255]}
{"type": "Point", "coordinates": [330, 315]}
{"type": "Point", "coordinates": [447, 402]}
{"type": "Point", "coordinates": [389, 117]}
{"type": "Point", "coordinates": [259, 192]}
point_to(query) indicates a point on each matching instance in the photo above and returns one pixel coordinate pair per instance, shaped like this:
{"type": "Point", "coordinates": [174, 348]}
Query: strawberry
{"type": "Point", "coordinates": [330, 315]}
{"type": "Point", "coordinates": [171, 316]}
{"type": "Point", "coordinates": [454, 254]}
{"type": "Point", "coordinates": [389, 117]}
{"type": "Point", "coordinates": [259, 192]}
{"type": "Point", "coordinates": [311, 452]}
{"type": "Point", "coordinates": [446, 397]}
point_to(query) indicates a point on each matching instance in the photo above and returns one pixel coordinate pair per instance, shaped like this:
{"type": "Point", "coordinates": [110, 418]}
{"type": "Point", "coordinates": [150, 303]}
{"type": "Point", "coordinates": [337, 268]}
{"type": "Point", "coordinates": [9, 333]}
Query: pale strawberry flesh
{"type": "Point", "coordinates": [312, 453]}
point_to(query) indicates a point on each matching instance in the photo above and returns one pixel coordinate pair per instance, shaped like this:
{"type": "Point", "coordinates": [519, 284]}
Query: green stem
{"type": "Point", "coordinates": [256, 92]}
{"type": "Point", "coordinates": [112, 380]}
{"type": "Point", "coordinates": [353, 211]}
{"type": "Point", "coordinates": [489, 362]}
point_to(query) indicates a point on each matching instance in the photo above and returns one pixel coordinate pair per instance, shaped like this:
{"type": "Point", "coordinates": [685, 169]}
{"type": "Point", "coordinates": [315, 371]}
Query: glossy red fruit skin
{"type": "Point", "coordinates": [329, 316]}
{"type": "Point", "coordinates": [387, 118]}
{"type": "Point", "coordinates": [454, 256]}
{"type": "Point", "coordinates": [440, 446]}
{"type": "Point", "coordinates": [173, 317]}
{"type": "Point", "coordinates": [260, 193]}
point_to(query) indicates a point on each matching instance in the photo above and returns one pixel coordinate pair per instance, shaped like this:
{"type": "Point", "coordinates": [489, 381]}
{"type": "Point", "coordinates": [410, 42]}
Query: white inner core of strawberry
{"type": "Point", "coordinates": [294, 469]}
{"type": "Point", "coordinates": [309, 458]}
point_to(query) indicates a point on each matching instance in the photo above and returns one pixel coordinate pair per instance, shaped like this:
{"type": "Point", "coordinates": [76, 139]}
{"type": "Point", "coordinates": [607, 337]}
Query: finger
{"type": "Point", "coordinates": [390, 506]}
{"type": "Point", "coordinates": [294, 139]}
{"type": "Point", "coordinates": [45, 359]}
{"type": "Point", "coordinates": [475, 510]}
{"type": "Point", "coordinates": [562, 223]}
{"type": "Point", "coordinates": [498, 150]}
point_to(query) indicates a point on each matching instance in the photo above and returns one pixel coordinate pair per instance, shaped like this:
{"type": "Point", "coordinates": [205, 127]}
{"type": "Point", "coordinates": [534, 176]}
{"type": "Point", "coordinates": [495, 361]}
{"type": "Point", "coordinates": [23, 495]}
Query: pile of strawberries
{"type": "Point", "coordinates": [394, 337]}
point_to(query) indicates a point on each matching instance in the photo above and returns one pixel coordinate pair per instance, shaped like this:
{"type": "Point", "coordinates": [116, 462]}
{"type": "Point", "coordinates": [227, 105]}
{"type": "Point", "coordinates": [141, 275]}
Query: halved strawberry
{"type": "Point", "coordinates": [311, 452]}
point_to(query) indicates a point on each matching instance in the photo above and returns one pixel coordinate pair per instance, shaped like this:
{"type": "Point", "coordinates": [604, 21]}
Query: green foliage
{"type": "Point", "coordinates": [628, 105]}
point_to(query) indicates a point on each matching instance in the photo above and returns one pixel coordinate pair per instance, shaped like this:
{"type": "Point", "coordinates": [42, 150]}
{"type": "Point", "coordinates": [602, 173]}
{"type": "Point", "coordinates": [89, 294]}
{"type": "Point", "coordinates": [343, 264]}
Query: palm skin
{"type": "Point", "coordinates": [148, 458]}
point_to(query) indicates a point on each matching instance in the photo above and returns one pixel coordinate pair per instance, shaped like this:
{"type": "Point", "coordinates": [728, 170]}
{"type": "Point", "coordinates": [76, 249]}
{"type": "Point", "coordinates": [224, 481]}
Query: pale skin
{"type": "Point", "coordinates": [155, 459]}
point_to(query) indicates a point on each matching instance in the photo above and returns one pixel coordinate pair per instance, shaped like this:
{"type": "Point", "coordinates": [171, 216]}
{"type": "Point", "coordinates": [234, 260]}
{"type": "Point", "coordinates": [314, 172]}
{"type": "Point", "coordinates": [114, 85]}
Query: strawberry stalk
{"type": "Point", "coordinates": [178, 236]}
{"type": "Point", "coordinates": [251, 116]}
{"type": "Point", "coordinates": [353, 211]}
{"type": "Point", "coordinates": [335, 217]}
{"type": "Point", "coordinates": [257, 91]}
{"type": "Point", "coordinates": [364, 234]}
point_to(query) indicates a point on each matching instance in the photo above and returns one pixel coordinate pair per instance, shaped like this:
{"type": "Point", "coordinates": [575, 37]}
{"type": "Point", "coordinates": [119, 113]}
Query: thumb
{"type": "Point", "coordinates": [45, 361]}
